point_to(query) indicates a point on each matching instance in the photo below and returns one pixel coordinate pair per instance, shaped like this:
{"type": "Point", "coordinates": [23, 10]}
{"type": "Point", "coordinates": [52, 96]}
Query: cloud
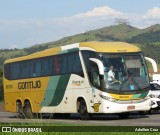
{"type": "Point", "coordinates": [99, 11]}
{"type": "Point", "coordinates": [103, 16]}
{"type": "Point", "coordinates": [24, 33]}
{"type": "Point", "coordinates": [153, 13]}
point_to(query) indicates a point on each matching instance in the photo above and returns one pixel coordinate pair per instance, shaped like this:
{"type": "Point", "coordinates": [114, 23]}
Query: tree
{"type": "Point", "coordinates": [121, 21]}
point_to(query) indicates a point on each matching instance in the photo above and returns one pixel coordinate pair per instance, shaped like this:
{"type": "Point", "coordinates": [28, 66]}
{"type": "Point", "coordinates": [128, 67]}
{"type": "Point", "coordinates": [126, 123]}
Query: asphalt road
{"type": "Point", "coordinates": [105, 120]}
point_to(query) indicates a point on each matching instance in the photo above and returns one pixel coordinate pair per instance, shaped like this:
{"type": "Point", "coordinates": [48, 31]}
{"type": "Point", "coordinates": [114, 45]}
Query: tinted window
{"type": "Point", "coordinates": [88, 64]}
{"type": "Point", "coordinates": [60, 64]}
{"type": "Point", "coordinates": [24, 69]}
{"type": "Point", "coordinates": [35, 68]}
{"type": "Point", "coordinates": [71, 62]}
{"type": "Point", "coordinates": [86, 55]}
{"type": "Point", "coordinates": [74, 64]}
{"type": "Point", "coordinates": [57, 65]}
{"type": "Point", "coordinates": [15, 71]}
{"type": "Point", "coordinates": [7, 71]}
{"type": "Point", "coordinates": [78, 66]}
{"type": "Point", "coordinates": [64, 64]}
{"type": "Point", "coordinates": [47, 66]}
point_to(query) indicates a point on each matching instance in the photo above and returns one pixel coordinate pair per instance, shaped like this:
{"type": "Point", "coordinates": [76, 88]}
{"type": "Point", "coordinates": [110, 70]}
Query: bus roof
{"type": "Point", "coordinates": [111, 47]}
{"type": "Point", "coordinates": [107, 47]}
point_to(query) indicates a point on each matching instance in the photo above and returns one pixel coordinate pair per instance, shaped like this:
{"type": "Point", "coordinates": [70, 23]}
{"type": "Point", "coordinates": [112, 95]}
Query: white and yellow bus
{"type": "Point", "coordinates": [77, 78]}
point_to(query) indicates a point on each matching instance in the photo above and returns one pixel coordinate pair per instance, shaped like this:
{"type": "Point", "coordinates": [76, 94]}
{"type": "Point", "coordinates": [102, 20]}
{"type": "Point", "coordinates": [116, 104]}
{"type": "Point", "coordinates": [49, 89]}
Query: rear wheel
{"type": "Point", "coordinates": [84, 115]}
{"type": "Point", "coordinates": [123, 115]}
{"type": "Point", "coordinates": [28, 111]}
{"type": "Point", "coordinates": [20, 113]}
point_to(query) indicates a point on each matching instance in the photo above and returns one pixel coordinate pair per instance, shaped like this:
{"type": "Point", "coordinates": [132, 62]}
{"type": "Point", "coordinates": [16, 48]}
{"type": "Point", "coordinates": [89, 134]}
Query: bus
{"type": "Point", "coordinates": [76, 79]}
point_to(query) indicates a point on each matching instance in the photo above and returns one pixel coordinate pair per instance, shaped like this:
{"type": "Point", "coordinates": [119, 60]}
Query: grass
{"type": "Point", "coordinates": [84, 133]}
{"type": "Point", "coordinates": [71, 133]}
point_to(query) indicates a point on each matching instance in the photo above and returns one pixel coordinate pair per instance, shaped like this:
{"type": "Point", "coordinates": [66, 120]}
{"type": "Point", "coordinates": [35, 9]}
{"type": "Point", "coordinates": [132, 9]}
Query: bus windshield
{"type": "Point", "coordinates": [124, 72]}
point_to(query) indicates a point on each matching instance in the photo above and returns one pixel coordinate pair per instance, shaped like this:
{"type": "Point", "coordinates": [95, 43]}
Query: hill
{"type": "Point", "coordinates": [147, 39]}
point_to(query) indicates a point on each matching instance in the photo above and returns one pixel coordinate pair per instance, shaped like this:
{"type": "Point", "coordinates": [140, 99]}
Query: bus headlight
{"type": "Point", "coordinates": [108, 98]}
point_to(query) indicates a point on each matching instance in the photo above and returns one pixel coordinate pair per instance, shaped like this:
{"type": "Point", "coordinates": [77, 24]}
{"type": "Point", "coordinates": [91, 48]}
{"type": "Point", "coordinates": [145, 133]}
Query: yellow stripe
{"type": "Point", "coordinates": [111, 47]}
{"type": "Point", "coordinates": [121, 97]}
{"type": "Point", "coordinates": [48, 52]}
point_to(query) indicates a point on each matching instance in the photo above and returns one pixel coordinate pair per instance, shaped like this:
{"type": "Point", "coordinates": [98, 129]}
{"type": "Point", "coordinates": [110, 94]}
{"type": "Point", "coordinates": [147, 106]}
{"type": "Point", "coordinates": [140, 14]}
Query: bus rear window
{"type": "Point", "coordinates": [7, 71]}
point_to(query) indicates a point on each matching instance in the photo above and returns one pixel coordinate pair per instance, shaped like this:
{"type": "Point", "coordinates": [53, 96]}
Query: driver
{"type": "Point", "coordinates": [111, 75]}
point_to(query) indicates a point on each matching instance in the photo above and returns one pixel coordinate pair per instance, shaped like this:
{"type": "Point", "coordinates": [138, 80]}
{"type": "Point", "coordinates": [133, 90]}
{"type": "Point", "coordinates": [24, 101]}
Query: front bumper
{"type": "Point", "coordinates": [114, 107]}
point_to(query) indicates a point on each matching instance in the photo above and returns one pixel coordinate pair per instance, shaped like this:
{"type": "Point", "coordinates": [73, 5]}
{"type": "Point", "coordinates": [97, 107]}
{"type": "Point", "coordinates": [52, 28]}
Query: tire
{"type": "Point", "coordinates": [84, 115]}
{"type": "Point", "coordinates": [20, 113]}
{"type": "Point", "coordinates": [37, 115]}
{"type": "Point", "coordinates": [144, 112]}
{"type": "Point", "coordinates": [61, 115]}
{"type": "Point", "coordinates": [123, 115]}
{"type": "Point", "coordinates": [28, 111]}
{"type": "Point", "coordinates": [149, 112]}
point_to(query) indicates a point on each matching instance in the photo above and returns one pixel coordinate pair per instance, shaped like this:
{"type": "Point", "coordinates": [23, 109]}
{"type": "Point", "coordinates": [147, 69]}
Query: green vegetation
{"type": "Point", "coordinates": [147, 39]}
{"type": "Point", "coordinates": [87, 133]}
{"type": "Point", "coordinates": [63, 127]}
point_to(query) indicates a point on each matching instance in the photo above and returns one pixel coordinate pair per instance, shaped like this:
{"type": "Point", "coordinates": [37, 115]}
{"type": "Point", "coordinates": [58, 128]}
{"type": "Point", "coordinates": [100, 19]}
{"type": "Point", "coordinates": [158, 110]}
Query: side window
{"type": "Point", "coordinates": [78, 66]}
{"type": "Point", "coordinates": [60, 64]}
{"type": "Point", "coordinates": [15, 71]}
{"type": "Point", "coordinates": [74, 64]}
{"type": "Point", "coordinates": [47, 66]}
{"type": "Point", "coordinates": [56, 66]}
{"type": "Point", "coordinates": [64, 64]}
{"type": "Point", "coordinates": [88, 64]}
{"type": "Point", "coordinates": [71, 62]}
{"type": "Point", "coordinates": [7, 71]}
{"type": "Point", "coordinates": [35, 68]}
{"type": "Point", "coordinates": [95, 80]}
{"type": "Point", "coordinates": [86, 57]}
{"type": "Point", "coordinates": [24, 69]}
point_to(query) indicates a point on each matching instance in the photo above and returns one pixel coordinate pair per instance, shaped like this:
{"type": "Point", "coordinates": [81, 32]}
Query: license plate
{"type": "Point", "coordinates": [132, 107]}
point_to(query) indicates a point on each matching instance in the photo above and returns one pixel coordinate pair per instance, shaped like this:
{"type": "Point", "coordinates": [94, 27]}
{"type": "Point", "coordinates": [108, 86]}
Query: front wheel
{"type": "Point", "coordinates": [84, 115]}
{"type": "Point", "coordinates": [145, 112]}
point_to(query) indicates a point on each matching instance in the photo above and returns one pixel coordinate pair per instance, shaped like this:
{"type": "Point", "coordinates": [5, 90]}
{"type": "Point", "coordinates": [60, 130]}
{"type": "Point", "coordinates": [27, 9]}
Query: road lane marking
{"type": "Point", "coordinates": [107, 122]}
{"type": "Point", "coordinates": [64, 120]}
{"type": "Point", "coordinates": [145, 123]}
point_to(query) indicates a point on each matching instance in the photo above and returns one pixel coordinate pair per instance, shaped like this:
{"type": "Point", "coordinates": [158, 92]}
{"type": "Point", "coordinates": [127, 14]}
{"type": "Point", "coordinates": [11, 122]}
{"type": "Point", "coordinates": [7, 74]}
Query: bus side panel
{"type": "Point", "coordinates": [78, 88]}
{"type": "Point", "coordinates": [75, 88]}
{"type": "Point", "coordinates": [27, 89]}
{"type": "Point", "coordinates": [54, 94]}
{"type": "Point", "coordinates": [9, 102]}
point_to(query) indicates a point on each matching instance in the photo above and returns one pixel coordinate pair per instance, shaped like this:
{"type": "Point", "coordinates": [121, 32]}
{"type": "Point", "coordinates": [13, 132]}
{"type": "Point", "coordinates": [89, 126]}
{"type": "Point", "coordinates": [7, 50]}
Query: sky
{"type": "Point", "coordinates": [24, 23]}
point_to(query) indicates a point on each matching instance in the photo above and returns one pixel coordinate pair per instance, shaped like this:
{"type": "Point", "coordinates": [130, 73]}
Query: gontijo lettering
{"type": "Point", "coordinates": [29, 85]}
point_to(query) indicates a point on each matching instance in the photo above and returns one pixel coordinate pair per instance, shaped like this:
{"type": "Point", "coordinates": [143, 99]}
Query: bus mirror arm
{"type": "Point", "coordinates": [99, 64]}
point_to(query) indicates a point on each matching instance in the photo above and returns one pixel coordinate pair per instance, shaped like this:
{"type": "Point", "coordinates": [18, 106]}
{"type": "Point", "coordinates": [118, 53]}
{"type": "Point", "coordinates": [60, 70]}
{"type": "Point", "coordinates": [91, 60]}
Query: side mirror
{"type": "Point", "coordinates": [99, 64]}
